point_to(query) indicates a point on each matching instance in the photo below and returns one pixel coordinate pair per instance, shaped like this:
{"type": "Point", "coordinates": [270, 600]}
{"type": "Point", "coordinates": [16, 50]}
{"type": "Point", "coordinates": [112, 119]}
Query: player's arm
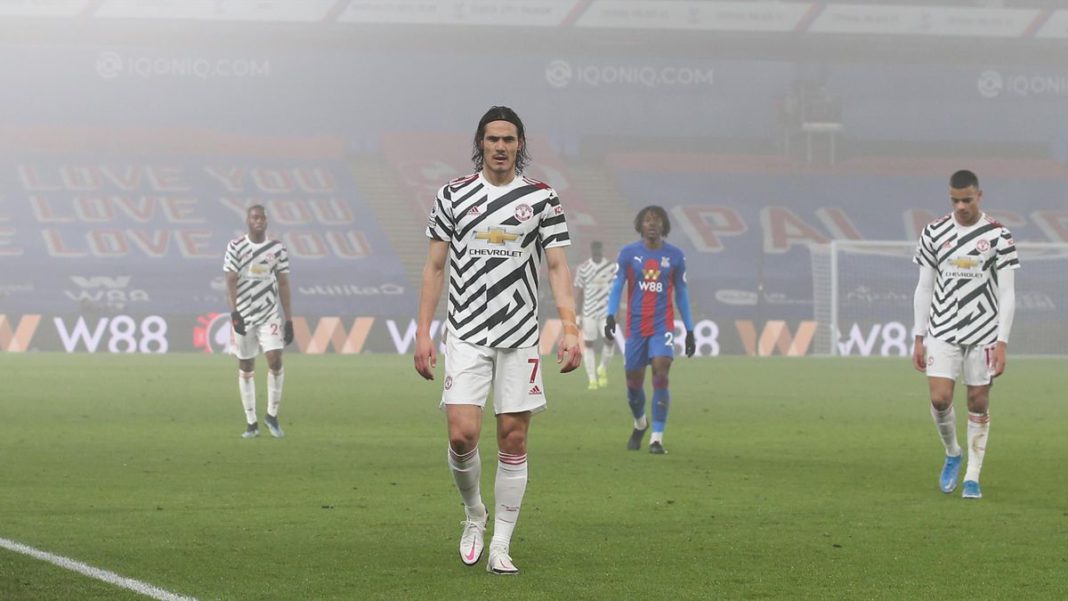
{"type": "Point", "coordinates": [426, 358]}
{"type": "Point", "coordinates": [563, 294]}
{"type": "Point", "coordinates": [231, 297]}
{"type": "Point", "coordinates": [921, 313]}
{"type": "Point", "coordinates": [613, 299]}
{"type": "Point", "coordinates": [1006, 312]}
{"type": "Point", "coordinates": [283, 296]}
{"type": "Point", "coordinates": [682, 300]}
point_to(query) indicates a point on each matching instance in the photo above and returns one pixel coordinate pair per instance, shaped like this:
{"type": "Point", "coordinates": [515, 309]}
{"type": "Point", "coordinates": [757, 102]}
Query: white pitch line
{"type": "Point", "coordinates": [103, 575]}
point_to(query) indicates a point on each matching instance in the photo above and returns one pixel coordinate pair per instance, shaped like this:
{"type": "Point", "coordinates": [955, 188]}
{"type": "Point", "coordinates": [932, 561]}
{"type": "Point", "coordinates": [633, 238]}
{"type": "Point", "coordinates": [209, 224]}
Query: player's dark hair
{"type": "Point", "coordinates": [501, 113]}
{"type": "Point", "coordinates": [254, 207]}
{"type": "Point", "coordinates": [963, 179]}
{"type": "Point", "coordinates": [653, 209]}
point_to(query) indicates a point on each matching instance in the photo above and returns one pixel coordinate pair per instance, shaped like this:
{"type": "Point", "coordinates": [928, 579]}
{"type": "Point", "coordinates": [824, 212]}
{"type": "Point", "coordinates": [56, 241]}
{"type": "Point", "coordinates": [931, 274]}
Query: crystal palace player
{"type": "Point", "coordinates": [654, 272]}
{"type": "Point", "coordinates": [964, 305]}
{"type": "Point", "coordinates": [257, 277]}
{"type": "Point", "coordinates": [493, 228]}
{"type": "Point", "coordinates": [593, 280]}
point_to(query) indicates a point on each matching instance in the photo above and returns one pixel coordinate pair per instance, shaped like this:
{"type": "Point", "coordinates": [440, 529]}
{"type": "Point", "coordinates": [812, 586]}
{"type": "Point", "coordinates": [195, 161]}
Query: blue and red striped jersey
{"type": "Point", "coordinates": [652, 278]}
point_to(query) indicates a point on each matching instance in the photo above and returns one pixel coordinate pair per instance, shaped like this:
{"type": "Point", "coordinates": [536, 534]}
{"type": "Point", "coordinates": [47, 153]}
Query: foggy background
{"type": "Point", "coordinates": [134, 133]}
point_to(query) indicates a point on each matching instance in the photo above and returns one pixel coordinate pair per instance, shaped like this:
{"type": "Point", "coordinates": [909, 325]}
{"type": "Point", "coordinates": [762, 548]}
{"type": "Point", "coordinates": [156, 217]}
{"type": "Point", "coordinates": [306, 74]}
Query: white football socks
{"type": "Point", "coordinates": [946, 422]}
{"type": "Point", "coordinates": [467, 473]}
{"type": "Point", "coordinates": [246, 385]}
{"type": "Point", "coordinates": [978, 430]}
{"type": "Point", "coordinates": [508, 490]}
{"type": "Point", "coordinates": [589, 360]}
{"type": "Point", "coordinates": [607, 351]}
{"type": "Point", "coordinates": [274, 391]}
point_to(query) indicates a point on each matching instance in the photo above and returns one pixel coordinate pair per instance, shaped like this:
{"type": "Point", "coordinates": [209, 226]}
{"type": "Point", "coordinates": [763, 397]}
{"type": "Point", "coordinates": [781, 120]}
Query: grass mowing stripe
{"type": "Point", "coordinates": [103, 575]}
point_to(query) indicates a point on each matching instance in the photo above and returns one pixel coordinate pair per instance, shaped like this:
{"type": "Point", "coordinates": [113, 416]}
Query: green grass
{"type": "Point", "coordinates": [786, 479]}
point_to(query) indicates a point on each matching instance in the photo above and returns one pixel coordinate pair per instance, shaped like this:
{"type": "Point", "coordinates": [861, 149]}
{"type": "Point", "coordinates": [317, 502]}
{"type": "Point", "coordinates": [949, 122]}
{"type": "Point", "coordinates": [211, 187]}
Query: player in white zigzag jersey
{"type": "Point", "coordinates": [964, 305]}
{"type": "Point", "coordinates": [257, 278]}
{"type": "Point", "coordinates": [593, 280]}
{"type": "Point", "coordinates": [493, 228]}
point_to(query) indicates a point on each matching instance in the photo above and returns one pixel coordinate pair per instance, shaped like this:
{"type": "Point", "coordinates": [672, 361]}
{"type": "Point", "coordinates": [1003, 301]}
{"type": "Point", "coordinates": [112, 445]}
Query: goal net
{"type": "Point", "coordinates": [863, 298]}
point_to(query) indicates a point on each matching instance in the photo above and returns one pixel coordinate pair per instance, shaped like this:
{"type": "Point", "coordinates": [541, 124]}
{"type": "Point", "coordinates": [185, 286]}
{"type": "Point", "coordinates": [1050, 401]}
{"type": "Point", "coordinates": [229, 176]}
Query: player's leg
{"type": "Point", "coordinates": [590, 334]}
{"type": "Point", "coordinates": [271, 340]}
{"type": "Point", "coordinates": [943, 368]}
{"type": "Point", "coordinates": [661, 403]}
{"type": "Point", "coordinates": [977, 370]}
{"type": "Point", "coordinates": [608, 349]}
{"type": "Point", "coordinates": [590, 363]}
{"type": "Point", "coordinates": [275, 379]}
{"type": "Point", "coordinates": [518, 393]}
{"type": "Point", "coordinates": [245, 347]}
{"type": "Point", "coordinates": [509, 488]}
{"type": "Point", "coordinates": [468, 374]}
{"type": "Point", "coordinates": [636, 357]}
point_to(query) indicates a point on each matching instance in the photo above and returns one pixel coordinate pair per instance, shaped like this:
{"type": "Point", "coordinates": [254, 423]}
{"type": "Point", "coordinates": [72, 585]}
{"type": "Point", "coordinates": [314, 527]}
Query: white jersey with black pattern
{"type": "Point", "coordinates": [595, 281]}
{"type": "Point", "coordinates": [964, 308]}
{"type": "Point", "coordinates": [257, 267]}
{"type": "Point", "coordinates": [497, 236]}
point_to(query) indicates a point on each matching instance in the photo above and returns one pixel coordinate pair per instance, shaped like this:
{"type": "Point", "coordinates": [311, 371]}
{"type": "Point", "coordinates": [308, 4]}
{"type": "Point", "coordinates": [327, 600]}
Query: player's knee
{"type": "Point", "coordinates": [461, 441]}
{"type": "Point", "coordinates": [660, 381]}
{"type": "Point", "coordinates": [635, 383]}
{"type": "Point", "coordinates": [940, 401]}
{"type": "Point", "coordinates": [513, 443]}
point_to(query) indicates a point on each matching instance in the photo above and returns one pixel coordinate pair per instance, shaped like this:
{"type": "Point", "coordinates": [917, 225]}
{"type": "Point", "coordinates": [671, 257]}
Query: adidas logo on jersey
{"type": "Point", "coordinates": [473, 210]}
{"type": "Point", "coordinates": [535, 389]}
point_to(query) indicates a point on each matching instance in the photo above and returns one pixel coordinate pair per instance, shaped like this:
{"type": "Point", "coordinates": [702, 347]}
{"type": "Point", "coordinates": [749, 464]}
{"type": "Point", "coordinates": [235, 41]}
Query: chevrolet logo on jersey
{"type": "Point", "coordinates": [497, 236]}
{"type": "Point", "coordinates": [964, 262]}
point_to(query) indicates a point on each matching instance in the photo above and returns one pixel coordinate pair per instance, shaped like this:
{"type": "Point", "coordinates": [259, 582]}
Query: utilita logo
{"type": "Point", "coordinates": [212, 333]}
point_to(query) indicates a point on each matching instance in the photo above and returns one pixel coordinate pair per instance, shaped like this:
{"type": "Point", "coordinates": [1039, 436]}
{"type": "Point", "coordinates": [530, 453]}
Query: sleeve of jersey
{"type": "Point", "coordinates": [924, 255]}
{"type": "Point", "coordinates": [553, 226]}
{"type": "Point", "coordinates": [617, 286]}
{"type": "Point", "coordinates": [440, 224]}
{"type": "Point", "coordinates": [682, 296]}
{"type": "Point", "coordinates": [283, 259]}
{"type": "Point", "coordinates": [579, 282]}
{"type": "Point", "coordinates": [1008, 258]}
{"type": "Point", "coordinates": [230, 258]}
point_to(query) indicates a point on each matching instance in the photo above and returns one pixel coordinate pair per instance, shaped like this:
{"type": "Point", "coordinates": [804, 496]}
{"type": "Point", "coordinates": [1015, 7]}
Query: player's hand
{"type": "Point", "coordinates": [919, 356]}
{"type": "Point", "coordinates": [238, 321]}
{"type": "Point", "coordinates": [610, 327]}
{"type": "Point", "coordinates": [691, 343]}
{"type": "Point", "coordinates": [426, 356]}
{"type": "Point", "coordinates": [288, 336]}
{"type": "Point", "coordinates": [997, 364]}
{"type": "Point", "coordinates": [571, 350]}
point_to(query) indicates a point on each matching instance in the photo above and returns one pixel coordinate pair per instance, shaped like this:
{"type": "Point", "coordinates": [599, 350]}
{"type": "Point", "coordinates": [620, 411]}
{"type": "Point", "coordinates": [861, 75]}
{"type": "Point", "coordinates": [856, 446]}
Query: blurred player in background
{"type": "Point", "coordinates": [655, 275]}
{"type": "Point", "coordinates": [593, 280]}
{"type": "Point", "coordinates": [493, 227]}
{"type": "Point", "coordinates": [257, 278]}
{"type": "Point", "coordinates": [964, 305]}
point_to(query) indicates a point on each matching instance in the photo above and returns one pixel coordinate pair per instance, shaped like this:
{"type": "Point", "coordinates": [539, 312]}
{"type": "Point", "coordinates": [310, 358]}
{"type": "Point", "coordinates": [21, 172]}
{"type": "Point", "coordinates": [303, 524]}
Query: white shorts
{"type": "Point", "coordinates": [592, 329]}
{"type": "Point", "coordinates": [269, 336]}
{"type": "Point", "coordinates": [946, 360]}
{"type": "Point", "coordinates": [514, 374]}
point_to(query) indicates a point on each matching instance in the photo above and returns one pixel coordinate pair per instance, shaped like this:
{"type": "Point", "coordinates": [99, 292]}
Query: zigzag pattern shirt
{"type": "Point", "coordinates": [964, 308]}
{"type": "Point", "coordinates": [595, 280]}
{"type": "Point", "coordinates": [497, 236]}
{"type": "Point", "coordinates": [257, 266]}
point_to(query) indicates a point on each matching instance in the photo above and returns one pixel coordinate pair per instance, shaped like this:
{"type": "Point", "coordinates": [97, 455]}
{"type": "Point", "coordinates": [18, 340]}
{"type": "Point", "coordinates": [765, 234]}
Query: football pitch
{"type": "Point", "coordinates": [785, 479]}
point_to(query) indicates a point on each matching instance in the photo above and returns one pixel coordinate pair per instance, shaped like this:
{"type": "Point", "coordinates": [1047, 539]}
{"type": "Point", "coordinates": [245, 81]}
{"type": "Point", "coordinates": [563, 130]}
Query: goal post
{"type": "Point", "coordinates": [863, 291]}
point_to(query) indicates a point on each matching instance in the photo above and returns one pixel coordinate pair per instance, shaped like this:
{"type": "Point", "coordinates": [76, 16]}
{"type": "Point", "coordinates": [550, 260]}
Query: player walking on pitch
{"type": "Point", "coordinates": [257, 278]}
{"type": "Point", "coordinates": [593, 280]}
{"type": "Point", "coordinates": [655, 274]}
{"type": "Point", "coordinates": [493, 228]}
{"type": "Point", "coordinates": [964, 305]}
